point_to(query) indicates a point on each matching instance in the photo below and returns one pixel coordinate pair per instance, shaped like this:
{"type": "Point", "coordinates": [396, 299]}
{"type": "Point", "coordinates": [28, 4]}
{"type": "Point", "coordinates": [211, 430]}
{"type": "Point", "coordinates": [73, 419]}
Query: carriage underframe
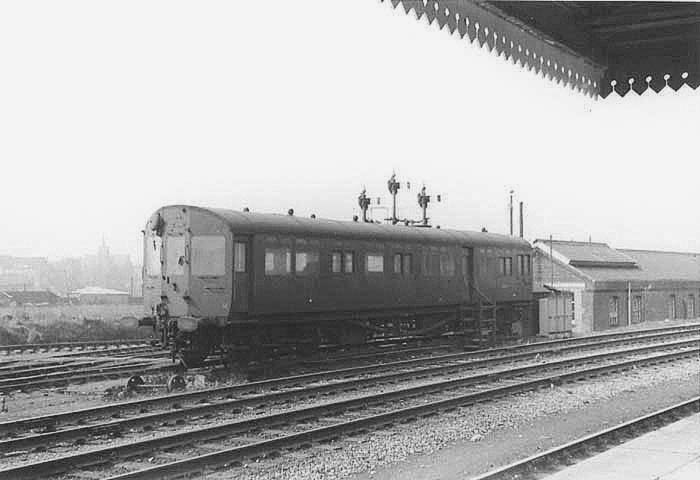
{"type": "Point", "coordinates": [260, 339]}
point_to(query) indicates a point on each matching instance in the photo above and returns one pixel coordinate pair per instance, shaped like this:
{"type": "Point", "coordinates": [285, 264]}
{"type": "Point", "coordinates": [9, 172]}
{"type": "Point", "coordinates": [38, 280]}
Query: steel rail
{"type": "Point", "coordinates": [594, 339]}
{"type": "Point", "coordinates": [286, 397]}
{"type": "Point", "coordinates": [276, 446]}
{"type": "Point", "coordinates": [29, 370]}
{"type": "Point", "coordinates": [20, 365]}
{"type": "Point", "coordinates": [296, 382]}
{"type": "Point", "coordinates": [631, 428]}
{"type": "Point", "coordinates": [115, 352]}
{"type": "Point", "coordinates": [37, 347]}
{"type": "Point", "coordinates": [377, 353]}
{"type": "Point", "coordinates": [359, 402]}
{"type": "Point", "coordinates": [79, 376]}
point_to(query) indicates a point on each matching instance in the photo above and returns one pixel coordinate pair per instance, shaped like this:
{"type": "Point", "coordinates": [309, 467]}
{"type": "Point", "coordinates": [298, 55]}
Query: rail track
{"type": "Point", "coordinates": [447, 393]}
{"type": "Point", "coordinates": [57, 347]}
{"type": "Point", "coordinates": [329, 380]}
{"type": "Point", "coordinates": [116, 352]}
{"type": "Point", "coordinates": [23, 370]}
{"type": "Point", "coordinates": [80, 372]}
{"type": "Point", "coordinates": [590, 445]}
{"type": "Point", "coordinates": [520, 347]}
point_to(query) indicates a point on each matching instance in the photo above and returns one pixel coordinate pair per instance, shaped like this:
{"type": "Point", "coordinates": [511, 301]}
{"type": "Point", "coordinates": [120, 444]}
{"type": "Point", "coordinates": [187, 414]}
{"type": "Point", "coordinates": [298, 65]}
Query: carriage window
{"type": "Point", "coordinates": [306, 263]}
{"type": "Point", "coordinates": [153, 248]}
{"type": "Point", "coordinates": [175, 255]}
{"type": "Point", "coordinates": [397, 263]}
{"type": "Point", "coordinates": [447, 265]}
{"type": "Point", "coordinates": [466, 263]}
{"type": "Point", "coordinates": [278, 261]}
{"type": "Point", "coordinates": [348, 262]}
{"type": "Point", "coordinates": [336, 258]}
{"type": "Point", "coordinates": [506, 266]}
{"type": "Point", "coordinates": [403, 263]}
{"type": "Point", "coordinates": [434, 264]}
{"type": "Point", "coordinates": [523, 265]}
{"type": "Point", "coordinates": [375, 262]}
{"type": "Point", "coordinates": [239, 257]}
{"type": "Point", "coordinates": [407, 264]}
{"type": "Point", "coordinates": [209, 256]}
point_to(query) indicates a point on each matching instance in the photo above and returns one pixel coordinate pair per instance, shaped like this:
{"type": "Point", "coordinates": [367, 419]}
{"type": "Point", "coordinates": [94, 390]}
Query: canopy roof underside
{"type": "Point", "coordinates": [593, 47]}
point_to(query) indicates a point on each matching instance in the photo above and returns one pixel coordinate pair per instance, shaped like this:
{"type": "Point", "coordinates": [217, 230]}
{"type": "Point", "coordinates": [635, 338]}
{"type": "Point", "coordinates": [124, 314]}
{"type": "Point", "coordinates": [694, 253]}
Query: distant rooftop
{"type": "Point", "coordinates": [587, 254]}
{"type": "Point", "coordinates": [31, 296]}
{"type": "Point", "coordinates": [98, 291]}
{"type": "Point", "coordinates": [601, 262]}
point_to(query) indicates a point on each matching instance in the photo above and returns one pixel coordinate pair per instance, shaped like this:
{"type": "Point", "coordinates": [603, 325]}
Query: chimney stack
{"type": "Point", "coordinates": [510, 209]}
{"type": "Point", "coordinates": [521, 220]}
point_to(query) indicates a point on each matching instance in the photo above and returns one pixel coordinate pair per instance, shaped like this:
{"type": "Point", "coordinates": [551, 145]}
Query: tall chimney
{"type": "Point", "coordinates": [521, 220]}
{"type": "Point", "coordinates": [510, 208]}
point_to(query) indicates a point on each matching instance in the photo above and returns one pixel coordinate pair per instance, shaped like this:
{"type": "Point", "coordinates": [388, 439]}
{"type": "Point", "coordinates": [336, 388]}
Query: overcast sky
{"type": "Point", "coordinates": [109, 110]}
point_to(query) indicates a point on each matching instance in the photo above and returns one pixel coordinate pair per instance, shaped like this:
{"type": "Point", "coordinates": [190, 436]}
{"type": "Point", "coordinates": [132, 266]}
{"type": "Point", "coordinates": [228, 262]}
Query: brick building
{"type": "Point", "coordinates": [616, 287]}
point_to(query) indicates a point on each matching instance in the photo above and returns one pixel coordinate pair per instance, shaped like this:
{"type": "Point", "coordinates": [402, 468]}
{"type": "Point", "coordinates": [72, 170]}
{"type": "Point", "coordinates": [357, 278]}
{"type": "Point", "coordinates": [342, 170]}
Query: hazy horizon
{"type": "Point", "coordinates": [109, 111]}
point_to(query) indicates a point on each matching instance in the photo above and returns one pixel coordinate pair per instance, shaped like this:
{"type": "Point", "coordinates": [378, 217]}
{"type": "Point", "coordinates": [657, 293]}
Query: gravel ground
{"type": "Point", "coordinates": [483, 436]}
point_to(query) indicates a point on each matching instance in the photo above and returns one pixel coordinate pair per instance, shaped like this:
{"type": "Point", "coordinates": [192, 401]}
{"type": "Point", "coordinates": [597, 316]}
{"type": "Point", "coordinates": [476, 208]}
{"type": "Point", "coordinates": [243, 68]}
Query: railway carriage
{"type": "Point", "coordinates": [243, 283]}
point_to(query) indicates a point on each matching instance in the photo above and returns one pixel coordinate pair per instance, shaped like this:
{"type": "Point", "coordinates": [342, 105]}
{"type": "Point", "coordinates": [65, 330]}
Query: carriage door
{"type": "Point", "coordinates": [468, 273]}
{"type": "Point", "coordinates": [241, 272]}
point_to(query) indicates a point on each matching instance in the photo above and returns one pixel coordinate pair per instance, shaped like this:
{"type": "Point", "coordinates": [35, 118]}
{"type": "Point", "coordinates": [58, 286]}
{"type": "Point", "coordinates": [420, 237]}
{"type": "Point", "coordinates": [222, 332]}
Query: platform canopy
{"type": "Point", "coordinates": [594, 47]}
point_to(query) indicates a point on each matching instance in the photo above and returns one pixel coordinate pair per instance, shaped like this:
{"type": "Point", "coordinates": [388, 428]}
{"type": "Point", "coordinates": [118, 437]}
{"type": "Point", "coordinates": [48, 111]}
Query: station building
{"type": "Point", "coordinates": [592, 287]}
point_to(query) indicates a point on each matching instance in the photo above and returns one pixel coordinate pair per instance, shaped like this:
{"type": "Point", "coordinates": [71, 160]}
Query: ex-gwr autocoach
{"type": "Point", "coordinates": [243, 283]}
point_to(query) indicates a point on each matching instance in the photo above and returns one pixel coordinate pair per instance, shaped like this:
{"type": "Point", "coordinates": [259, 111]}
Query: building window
{"type": "Point", "coordinates": [506, 264]}
{"type": "Point", "coordinates": [239, 257]}
{"type": "Point", "coordinates": [691, 306]}
{"type": "Point", "coordinates": [672, 307]}
{"type": "Point", "coordinates": [348, 262]}
{"type": "Point", "coordinates": [375, 263]}
{"type": "Point", "coordinates": [278, 261]}
{"type": "Point", "coordinates": [336, 262]}
{"type": "Point", "coordinates": [637, 309]}
{"type": "Point", "coordinates": [613, 314]}
{"type": "Point", "coordinates": [209, 256]}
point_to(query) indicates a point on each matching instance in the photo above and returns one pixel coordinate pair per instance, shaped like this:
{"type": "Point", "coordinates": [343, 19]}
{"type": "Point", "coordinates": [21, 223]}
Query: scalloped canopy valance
{"type": "Point", "coordinates": [594, 47]}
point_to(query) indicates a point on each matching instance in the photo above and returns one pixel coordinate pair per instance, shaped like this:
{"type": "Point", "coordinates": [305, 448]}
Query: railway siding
{"type": "Point", "coordinates": [328, 382]}
{"type": "Point", "coordinates": [311, 413]}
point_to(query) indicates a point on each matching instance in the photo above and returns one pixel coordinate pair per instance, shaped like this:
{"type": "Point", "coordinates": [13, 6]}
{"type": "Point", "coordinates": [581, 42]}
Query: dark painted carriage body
{"type": "Point", "coordinates": [213, 275]}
